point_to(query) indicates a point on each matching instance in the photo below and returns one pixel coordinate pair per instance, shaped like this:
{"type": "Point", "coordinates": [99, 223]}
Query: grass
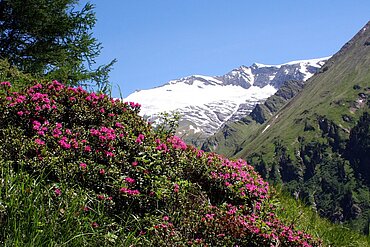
{"type": "Point", "coordinates": [32, 218]}
{"type": "Point", "coordinates": [303, 217]}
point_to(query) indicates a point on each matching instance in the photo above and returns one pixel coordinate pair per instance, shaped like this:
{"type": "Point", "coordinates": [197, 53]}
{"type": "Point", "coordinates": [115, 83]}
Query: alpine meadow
{"type": "Point", "coordinates": [264, 155]}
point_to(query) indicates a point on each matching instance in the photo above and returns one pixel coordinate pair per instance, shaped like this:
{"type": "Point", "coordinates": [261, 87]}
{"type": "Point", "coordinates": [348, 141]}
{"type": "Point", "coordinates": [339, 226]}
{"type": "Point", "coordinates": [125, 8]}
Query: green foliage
{"type": "Point", "coordinates": [358, 148]}
{"type": "Point", "coordinates": [322, 178]}
{"type": "Point", "coordinates": [11, 73]}
{"type": "Point", "coordinates": [52, 39]}
{"type": "Point", "coordinates": [167, 123]}
{"type": "Point", "coordinates": [294, 212]}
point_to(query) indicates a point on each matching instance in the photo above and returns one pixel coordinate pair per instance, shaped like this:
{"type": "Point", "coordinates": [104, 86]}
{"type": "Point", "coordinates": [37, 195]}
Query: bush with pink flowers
{"type": "Point", "coordinates": [105, 171]}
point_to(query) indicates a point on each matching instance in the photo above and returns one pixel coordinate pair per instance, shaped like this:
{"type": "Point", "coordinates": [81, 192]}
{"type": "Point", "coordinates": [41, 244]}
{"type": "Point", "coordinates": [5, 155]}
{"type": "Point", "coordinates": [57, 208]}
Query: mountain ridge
{"type": "Point", "coordinates": [208, 102]}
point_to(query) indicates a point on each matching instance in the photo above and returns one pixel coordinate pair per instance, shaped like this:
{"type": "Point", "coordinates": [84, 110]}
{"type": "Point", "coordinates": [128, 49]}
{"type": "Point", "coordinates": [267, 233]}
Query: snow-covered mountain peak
{"type": "Point", "coordinates": [197, 80]}
{"type": "Point", "coordinates": [207, 102]}
{"type": "Point", "coordinates": [311, 62]}
{"type": "Point", "coordinates": [261, 65]}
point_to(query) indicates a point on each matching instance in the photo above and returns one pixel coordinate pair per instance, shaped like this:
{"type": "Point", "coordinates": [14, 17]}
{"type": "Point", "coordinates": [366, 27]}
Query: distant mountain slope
{"type": "Point", "coordinates": [208, 102]}
{"type": "Point", "coordinates": [228, 139]}
{"type": "Point", "coordinates": [339, 92]}
{"type": "Point", "coordinates": [318, 143]}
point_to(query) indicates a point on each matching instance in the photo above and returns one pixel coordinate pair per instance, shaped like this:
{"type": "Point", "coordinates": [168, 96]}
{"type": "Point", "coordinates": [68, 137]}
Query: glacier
{"type": "Point", "coordinates": [205, 103]}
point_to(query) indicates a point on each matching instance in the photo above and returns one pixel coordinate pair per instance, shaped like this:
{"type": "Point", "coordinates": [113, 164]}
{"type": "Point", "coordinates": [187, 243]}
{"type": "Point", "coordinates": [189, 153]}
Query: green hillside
{"type": "Point", "coordinates": [334, 93]}
{"type": "Point", "coordinates": [318, 143]}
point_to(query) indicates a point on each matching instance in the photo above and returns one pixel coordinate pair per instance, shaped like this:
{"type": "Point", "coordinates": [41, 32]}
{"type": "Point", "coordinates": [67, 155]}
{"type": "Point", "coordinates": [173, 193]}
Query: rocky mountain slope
{"type": "Point", "coordinates": [317, 144]}
{"type": "Point", "coordinates": [208, 102]}
{"type": "Point", "coordinates": [229, 138]}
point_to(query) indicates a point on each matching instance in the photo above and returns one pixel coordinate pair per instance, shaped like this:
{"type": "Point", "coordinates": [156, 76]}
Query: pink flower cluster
{"type": "Point", "coordinates": [239, 176]}
{"type": "Point", "coordinates": [177, 143]}
{"type": "Point", "coordinates": [235, 221]}
{"type": "Point", "coordinates": [5, 84]}
{"type": "Point", "coordinates": [129, 191]}
{"type": "Point", "coordinates": [39, 142]}
{"type": "Point", "coordinates": [94, 98]}
{"type": "Point", "coordinates": [104, 134]}
{"type": "Point", "coordinates": [67, 143]}
{"type": "Point", "coordinates": [130, 180]}
{"type": "Point", "coordinates": [140, 138]}
{"type": "Point", "coordinates": [161, 146]}
{"type": "Point", "coordinates": [40, 128]}
{"type": "Point", "coordinates": [133, 105]}
{"type": "Point", "coordinates": [56, 86]}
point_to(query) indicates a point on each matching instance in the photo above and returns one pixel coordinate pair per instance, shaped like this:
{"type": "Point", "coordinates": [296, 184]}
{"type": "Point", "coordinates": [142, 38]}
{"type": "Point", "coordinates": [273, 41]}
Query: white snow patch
{"type": "Point", "coordinates": [307, 61]}
{"type": "Point", "coordinates": [180, 95]}
{"type": "Point", "coordinates": [196, 130]}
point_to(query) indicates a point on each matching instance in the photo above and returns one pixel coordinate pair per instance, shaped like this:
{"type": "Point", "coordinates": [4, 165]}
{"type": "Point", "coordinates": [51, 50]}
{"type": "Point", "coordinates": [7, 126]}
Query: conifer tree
{"type": "Point", "coordinates": [52, 39]}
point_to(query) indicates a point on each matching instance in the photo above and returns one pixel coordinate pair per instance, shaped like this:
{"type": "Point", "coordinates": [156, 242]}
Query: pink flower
{"type": "Point", "coordinates": [63, 143]}
{"type": "Point", "coordinates": [6, 83]}
{"type": "Point", "coordinates": [101, 171]}
{"type": "Point", "coordinates": [20, 99]}
{"type": "Point", "coordinates": [119, 125]}
{"type": "Point", "coordinates": [199, 153]}
{"type": "Point", "coordinates": [129, 192]}
{"type": "Point", "coordinates": [56, 133]}
{"type": "Point", "coordinates": [177, 143]}
{"type": "Point", "coordinates": [134, 192]}
{"type": "Point", "coordinates": [166, 218]}
{"type": "Point", "coordinates": [176, 188]}
{"type": "Point", "coordinates": [94, 225]}
{"type": "Point", "coordinates": [130, 180]}
{"type": "Point", "coordinates": [36, 125]}
{"type": "Point", "coordinates": [109, 154]}
{"type": "Point", "coordinates": [140, 138]}
{"type": "Point", "coordinates": [87, 149]}
{"type": "Point", "coordinates": [210, 216]}
{"type": "Point", "coordinates": [57, 192]}
{"type": "Point", "coordinates": [20, 113]}
{"type": "Point", "coordinates": [134, 163]}
{"type": "Point", "coordinates": [162, 147]}
{"type": "Point", "coordinates": [39, 142]}
{"type": "Point", "coordinates": [83, 165]}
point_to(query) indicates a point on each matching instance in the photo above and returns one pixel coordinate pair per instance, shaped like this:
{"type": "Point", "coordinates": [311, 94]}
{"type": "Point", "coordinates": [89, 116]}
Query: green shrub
{"type": "Point", "coordinates": [84, 169]}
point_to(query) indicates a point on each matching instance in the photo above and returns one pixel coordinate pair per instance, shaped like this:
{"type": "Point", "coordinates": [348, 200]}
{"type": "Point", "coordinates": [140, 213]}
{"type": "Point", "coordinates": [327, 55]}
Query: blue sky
{"type": "Point", "coordinates": [155, 41]}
